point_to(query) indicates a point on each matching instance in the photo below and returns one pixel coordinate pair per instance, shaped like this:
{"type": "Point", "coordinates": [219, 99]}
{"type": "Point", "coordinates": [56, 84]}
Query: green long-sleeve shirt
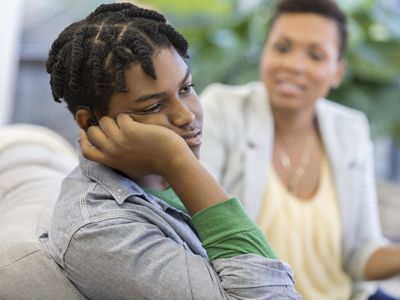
{"type": "Point", "coordinates": [224, 229]}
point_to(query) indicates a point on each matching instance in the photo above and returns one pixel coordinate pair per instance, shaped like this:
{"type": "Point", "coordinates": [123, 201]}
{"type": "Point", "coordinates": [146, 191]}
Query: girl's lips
{"type": "Point", "coordinates": [193, 140]}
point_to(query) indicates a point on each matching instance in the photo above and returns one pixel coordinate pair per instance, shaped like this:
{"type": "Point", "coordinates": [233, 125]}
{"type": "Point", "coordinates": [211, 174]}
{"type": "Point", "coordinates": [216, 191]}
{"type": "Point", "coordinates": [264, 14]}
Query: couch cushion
{"type": "Point", "coordinates": [33, 162]}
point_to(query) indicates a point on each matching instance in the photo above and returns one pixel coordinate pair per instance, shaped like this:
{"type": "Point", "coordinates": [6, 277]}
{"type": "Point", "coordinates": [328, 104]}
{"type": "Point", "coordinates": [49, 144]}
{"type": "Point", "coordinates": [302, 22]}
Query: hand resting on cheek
{"type": "Point", "coordinates": [133, 148]}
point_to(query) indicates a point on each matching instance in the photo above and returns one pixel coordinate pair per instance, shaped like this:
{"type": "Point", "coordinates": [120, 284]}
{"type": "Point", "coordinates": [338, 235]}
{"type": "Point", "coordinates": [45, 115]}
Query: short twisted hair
{"type": "Point", "coordinates": [326, 8]}
{"type": "Point", "coordinates": [87, 61]}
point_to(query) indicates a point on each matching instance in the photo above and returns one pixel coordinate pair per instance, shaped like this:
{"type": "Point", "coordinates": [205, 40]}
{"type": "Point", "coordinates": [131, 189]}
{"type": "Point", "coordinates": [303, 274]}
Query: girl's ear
{"type": "Point", "coordinates": [85, 117]}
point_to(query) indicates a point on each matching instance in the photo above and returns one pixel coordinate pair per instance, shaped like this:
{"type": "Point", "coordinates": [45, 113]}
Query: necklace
{"type": "Point", "coordinates": [299, 171]}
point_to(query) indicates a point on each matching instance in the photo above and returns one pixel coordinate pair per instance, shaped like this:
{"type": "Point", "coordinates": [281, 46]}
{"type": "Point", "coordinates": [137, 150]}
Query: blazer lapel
{"type": "Point", "coordinates": [260, 133]}
{"type": "Point", "coordinates": [341, 154]}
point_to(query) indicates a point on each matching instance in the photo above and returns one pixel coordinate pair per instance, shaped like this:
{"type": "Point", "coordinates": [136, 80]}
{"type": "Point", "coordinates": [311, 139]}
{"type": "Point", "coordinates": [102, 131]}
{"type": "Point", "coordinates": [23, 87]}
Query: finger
{"type": "Point", "coordinates": [89, 151]}
{"type": "Point", "coordinates": [110, 127]}
{"type": "Point", "coordinates": [125, 121]}
{"type": "Point", "coordinates": [98, 138]}
{"type": "Point", "coordinates": [83, 139]}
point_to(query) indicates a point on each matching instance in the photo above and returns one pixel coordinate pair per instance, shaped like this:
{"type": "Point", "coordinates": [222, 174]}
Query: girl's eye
{"type": "Point", "coordinates": [186, 90]}
{"type": "Point", "coordinates": [156, 107]}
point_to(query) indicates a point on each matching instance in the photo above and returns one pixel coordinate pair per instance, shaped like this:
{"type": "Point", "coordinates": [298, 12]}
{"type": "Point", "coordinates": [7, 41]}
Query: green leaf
{"type": "Point", "coordinates": [180, 7]}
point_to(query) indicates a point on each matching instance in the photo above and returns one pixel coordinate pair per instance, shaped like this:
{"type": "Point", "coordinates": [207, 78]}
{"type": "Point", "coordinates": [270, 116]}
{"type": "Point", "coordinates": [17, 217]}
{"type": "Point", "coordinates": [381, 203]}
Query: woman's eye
{"type": "Point", "coordinates": [281, 48]}
{"type": "Point", "coordinates": [316, 55]}
{"type": "Point", "coordinates": [186, 90]}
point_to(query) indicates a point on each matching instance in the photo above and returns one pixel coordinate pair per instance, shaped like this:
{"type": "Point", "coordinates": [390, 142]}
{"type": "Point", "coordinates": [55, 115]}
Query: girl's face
{"type": "Point", "coordinates": [300, 61]}
{"type": "Point", "coordinates": [170, 101]}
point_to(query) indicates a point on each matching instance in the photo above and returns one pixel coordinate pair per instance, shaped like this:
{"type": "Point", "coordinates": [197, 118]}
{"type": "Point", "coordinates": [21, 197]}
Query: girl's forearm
{"type": "Point", "coordinates": [196, 188]}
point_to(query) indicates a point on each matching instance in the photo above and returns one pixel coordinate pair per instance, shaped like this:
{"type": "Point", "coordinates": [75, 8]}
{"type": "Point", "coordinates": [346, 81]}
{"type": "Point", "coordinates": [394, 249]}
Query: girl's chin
{"type": "Point", "coordinates": [196, 151]}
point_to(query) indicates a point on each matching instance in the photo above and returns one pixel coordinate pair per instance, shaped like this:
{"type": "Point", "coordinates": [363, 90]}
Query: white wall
{"type": "Point", "coordinates": [11, 13]}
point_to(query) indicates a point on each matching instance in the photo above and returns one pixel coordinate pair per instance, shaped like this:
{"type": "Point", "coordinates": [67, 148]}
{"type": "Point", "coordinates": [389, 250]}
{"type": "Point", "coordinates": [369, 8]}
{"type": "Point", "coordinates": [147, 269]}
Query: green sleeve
{"type": "Point", "coordinates": [226, 231]}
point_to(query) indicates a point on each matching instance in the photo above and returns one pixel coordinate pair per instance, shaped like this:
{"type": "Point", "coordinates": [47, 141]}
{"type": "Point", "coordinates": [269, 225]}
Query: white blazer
{"type": "Point", "coordinates": [238, 137]}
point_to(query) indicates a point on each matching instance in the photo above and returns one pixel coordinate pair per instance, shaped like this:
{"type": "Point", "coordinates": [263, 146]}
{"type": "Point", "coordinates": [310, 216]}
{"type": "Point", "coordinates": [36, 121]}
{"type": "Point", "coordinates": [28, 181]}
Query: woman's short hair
{"type": "Point", "coordinates": [326, 8]}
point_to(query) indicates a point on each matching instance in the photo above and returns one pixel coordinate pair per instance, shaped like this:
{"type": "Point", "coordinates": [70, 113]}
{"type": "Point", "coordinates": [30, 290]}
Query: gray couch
{"type": "Point", "coordinates": [33, 161]}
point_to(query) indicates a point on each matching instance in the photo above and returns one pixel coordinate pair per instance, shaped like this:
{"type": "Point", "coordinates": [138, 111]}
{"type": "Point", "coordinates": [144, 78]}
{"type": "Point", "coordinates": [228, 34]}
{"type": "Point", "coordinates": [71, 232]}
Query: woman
{"type": "Point", "coordinates": [140, 218]}
{"type": "Point", "coordinates": [302, 165]}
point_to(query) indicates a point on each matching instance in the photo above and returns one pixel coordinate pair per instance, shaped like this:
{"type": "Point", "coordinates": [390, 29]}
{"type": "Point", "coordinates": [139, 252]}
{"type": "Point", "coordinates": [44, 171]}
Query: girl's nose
{"type": "Point", "coordinates": [182, 115]}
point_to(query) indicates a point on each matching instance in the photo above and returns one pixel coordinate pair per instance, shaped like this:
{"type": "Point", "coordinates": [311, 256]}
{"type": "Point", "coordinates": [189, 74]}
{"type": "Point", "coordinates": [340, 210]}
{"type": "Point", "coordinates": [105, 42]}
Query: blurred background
{"type": "Point", "coordinates": [226, 38]}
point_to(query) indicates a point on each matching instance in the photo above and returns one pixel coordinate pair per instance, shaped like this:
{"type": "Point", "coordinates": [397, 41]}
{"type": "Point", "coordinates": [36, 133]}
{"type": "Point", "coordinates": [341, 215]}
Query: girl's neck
{"type": "Point", "coordinates": [153, 182]}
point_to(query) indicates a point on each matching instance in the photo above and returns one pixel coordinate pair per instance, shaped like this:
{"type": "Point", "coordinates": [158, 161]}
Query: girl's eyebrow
{"type": "Point", "coordinates": [187, 74]}
{"type": "Point", "coordinates": [144, 98]}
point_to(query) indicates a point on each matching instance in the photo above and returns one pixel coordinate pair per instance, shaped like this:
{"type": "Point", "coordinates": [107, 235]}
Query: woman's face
{"type": "Point", "coordinates": [300, 61]}
{"type": "Point", "coordinates": [170, 101]}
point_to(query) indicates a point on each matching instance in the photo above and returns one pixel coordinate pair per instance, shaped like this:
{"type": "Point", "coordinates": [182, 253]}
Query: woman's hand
{"type": "Point", "coordinates": [133, 148]}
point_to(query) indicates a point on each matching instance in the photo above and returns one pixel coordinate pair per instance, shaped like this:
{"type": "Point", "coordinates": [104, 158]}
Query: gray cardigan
{"type": "Point", "coordinates": [237, 149]}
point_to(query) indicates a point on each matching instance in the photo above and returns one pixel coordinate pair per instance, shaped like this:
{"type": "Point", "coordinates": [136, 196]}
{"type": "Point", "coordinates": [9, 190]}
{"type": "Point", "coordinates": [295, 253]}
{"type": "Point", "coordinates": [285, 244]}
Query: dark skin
{"type": "Point", "coordinates": [163, 117]}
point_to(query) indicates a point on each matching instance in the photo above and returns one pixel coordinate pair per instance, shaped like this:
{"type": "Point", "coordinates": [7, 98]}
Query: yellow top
{"type": "Point", "coordinates": [307, 235]}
